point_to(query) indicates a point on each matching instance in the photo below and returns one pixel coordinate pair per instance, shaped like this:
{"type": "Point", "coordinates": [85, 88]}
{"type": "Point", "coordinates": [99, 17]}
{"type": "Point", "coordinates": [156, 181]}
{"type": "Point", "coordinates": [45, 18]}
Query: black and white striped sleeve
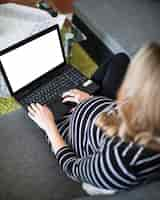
{"type": "Point", "coordinates": [143, 161]}
{"type": "Point", "coordinates": [147, 163]}
{"type": "Point", "coordinates": [106, 168]}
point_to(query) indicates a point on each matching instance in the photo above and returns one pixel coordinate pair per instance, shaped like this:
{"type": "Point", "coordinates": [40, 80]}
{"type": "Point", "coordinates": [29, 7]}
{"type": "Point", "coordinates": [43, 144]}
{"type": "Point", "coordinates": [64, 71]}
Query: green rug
{"type": "Point", "coordinates": [79, 59]}
{"type": "Point", "coordinates": [8, 105]}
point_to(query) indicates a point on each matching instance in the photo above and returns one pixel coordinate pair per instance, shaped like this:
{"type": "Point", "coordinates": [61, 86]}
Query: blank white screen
{"type": "Point", "coordinates": [30, 61]}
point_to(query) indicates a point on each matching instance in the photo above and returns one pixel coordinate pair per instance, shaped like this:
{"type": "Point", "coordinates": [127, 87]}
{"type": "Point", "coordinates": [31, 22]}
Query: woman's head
{"type": "Point", "coordinates": [141, 89]}
{"type": "Point", "coordinates": [143, 71]}
{"type": "Point", "coordinates": [139, 96]}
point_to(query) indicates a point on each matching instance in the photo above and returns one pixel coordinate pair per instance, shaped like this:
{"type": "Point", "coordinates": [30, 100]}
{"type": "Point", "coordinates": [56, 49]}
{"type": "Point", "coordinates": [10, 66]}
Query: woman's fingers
{"type": "Point", "coordinates": [72, 93]}
{"type": "Point", "coordinates": [36, 120]}
{"type": "Point", "coordinates": [71, 96]}
{"type": "Point", "coordinates": [34, 108]}
{"type": "Point", "coordinates": [75, 95]}
{"type": "Point", "coordinates": [41, 115]}
{"type": "Point", "coordinates": [39, 106]}
{"type": "Point", "coordinates": [70, 99]}
{"type": "Point", "coordinates": [67, 94]}
{"type": "Point", "coordinates": [31, 111]}
{"type": "Point", "coordinates": [31, 116]}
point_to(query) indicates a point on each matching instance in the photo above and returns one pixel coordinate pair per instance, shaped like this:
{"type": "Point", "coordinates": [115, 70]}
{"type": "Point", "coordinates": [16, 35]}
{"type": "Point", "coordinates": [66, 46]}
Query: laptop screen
{"type": "Point", "coordinates": [30, 61]}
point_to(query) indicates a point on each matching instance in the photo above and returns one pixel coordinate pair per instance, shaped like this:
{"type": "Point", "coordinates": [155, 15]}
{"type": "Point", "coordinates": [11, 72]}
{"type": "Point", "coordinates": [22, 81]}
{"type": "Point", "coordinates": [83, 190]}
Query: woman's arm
{"type": "Point", "coordinates": [107, 168]}
{"type": "Point", "coordinates": [44, 118]}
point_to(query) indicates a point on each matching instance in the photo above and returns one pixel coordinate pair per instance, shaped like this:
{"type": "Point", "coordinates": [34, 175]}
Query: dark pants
{"type": "Point", "coordinates": [110, 75]}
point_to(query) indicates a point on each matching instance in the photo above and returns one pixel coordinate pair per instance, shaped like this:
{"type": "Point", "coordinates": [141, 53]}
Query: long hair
{"type": "Point", "coordinates": [138, 100]}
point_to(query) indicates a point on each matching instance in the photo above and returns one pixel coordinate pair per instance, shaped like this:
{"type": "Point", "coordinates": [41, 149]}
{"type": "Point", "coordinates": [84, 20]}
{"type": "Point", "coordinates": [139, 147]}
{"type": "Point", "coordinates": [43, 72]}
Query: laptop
{"type": "Point", "coordinates": [35, 70]}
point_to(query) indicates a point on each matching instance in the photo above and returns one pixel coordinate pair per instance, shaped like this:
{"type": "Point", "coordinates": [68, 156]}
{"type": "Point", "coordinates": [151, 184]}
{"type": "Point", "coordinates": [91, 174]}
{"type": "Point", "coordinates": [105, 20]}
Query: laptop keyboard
{"type": "Point", "coordinates": [71, 78]}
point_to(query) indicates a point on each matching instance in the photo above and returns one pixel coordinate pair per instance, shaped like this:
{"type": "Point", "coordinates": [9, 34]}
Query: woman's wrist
{"type": "Point", "coordinates": [55, 138]}
{"type": "Point", "coordinates": [50, 126]}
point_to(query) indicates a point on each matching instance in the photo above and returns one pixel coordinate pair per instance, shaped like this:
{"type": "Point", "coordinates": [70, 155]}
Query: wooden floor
{"type": "Point", "coordinates": [25, 2]}
{"type": "Point", "coordinates": [64, 6]}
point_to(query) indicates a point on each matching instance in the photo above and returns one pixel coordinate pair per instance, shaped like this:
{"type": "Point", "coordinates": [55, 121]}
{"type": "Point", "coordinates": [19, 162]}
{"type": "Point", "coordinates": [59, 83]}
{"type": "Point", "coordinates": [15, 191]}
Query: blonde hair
{"type": "Point", "coordinates": [139, 118]}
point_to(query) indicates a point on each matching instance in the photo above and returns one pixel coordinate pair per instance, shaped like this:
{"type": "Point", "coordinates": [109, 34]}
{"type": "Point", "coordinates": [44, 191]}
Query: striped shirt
{"type": "Point", "coordinates": [103, 161]}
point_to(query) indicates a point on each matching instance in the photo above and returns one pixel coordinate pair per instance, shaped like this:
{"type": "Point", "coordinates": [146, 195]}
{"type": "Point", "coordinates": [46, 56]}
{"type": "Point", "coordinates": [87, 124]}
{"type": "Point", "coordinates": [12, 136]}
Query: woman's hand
{"type": "Point", "coordinates": [42, 116]}
{"type": "Point", "coordinates": [75, 95]}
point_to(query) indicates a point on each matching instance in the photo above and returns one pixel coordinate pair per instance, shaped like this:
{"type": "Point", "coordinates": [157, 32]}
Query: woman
{"type": "Point", "coordinates": [111, 145]}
